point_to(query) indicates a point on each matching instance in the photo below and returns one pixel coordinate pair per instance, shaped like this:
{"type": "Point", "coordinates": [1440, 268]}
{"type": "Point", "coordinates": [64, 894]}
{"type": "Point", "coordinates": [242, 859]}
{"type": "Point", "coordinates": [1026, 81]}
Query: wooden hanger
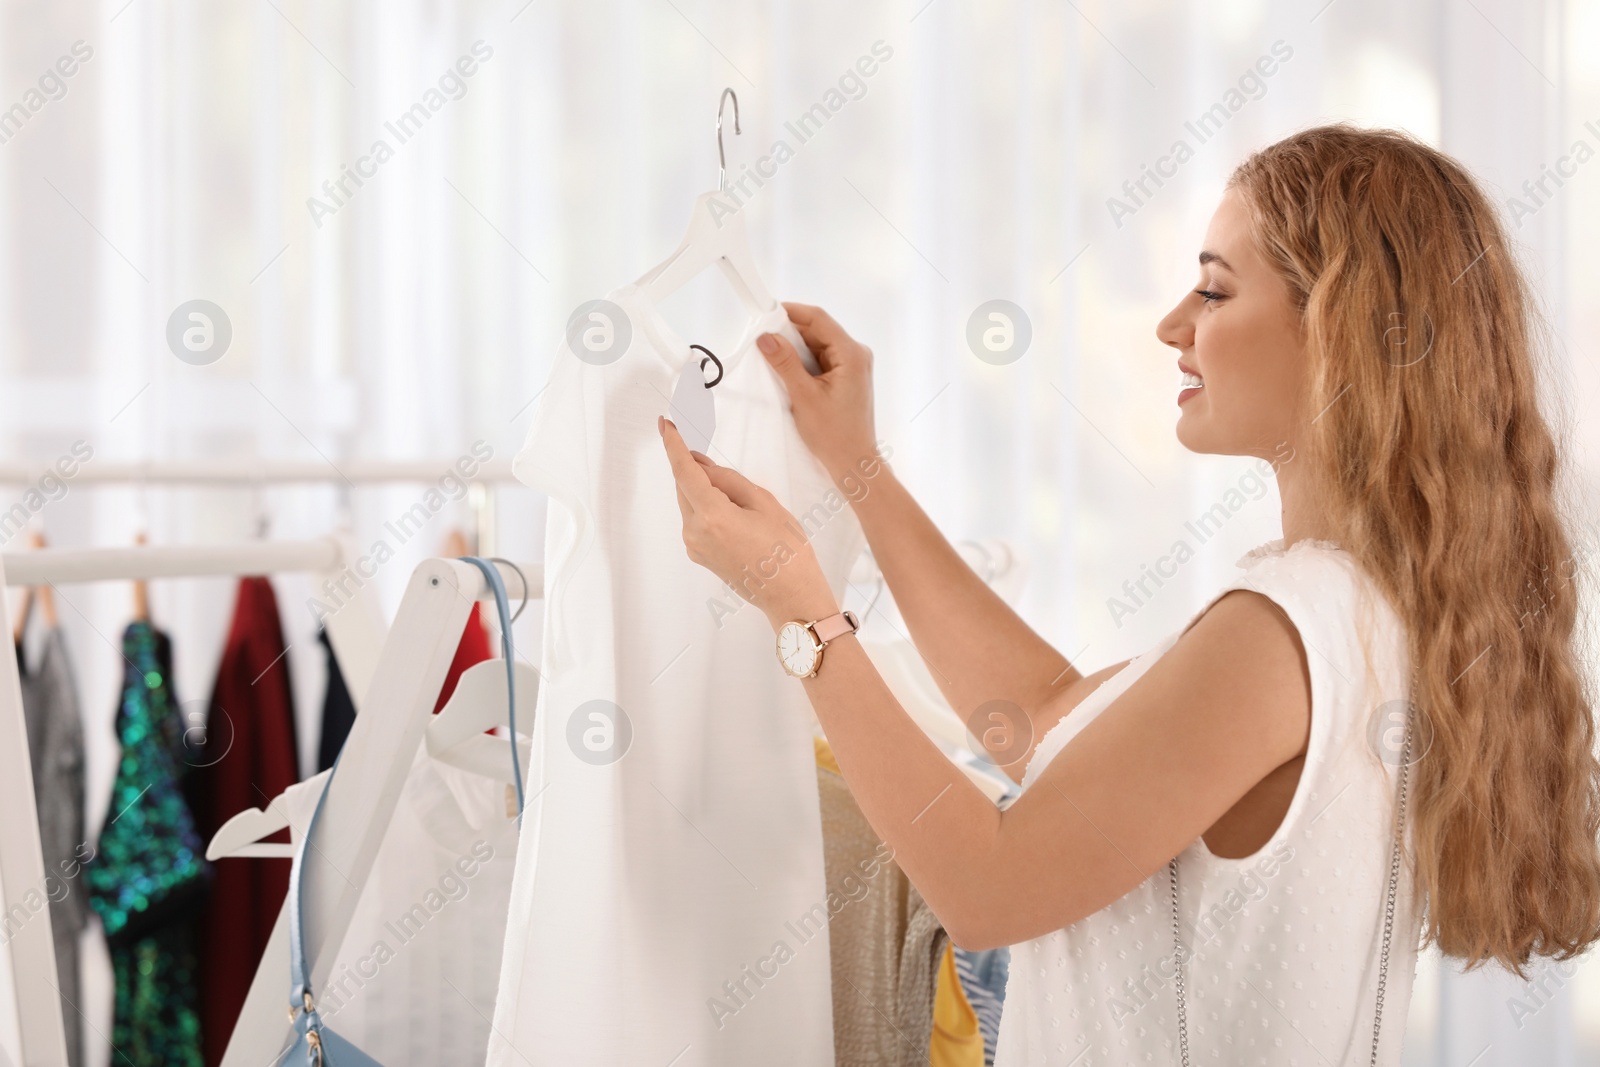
{"type": "Point", "coordinates": [455, 544]}
{"type": "Point", "coordinates": [45, 595]}
{"type": "Point", "coordinates": [141, 588]}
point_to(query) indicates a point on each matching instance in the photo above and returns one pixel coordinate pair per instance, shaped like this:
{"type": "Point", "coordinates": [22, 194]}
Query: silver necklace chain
{"type": "Point", "coordinates": [1388, 920]}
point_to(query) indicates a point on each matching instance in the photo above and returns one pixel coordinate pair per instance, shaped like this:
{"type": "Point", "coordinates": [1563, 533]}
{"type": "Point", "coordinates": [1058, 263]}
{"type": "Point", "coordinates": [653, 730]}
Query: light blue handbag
{"type": "Point", "coordinates": [316, 1045]}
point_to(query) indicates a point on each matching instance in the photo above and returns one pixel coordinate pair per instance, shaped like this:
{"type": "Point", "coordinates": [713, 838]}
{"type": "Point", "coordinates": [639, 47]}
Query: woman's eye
{"type": "Point", "coordinates": [1209, 296]}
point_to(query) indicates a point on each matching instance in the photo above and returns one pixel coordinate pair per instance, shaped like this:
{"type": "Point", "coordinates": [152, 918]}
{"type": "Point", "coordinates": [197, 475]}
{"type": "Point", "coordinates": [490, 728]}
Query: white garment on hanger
{"type": "Point", "coordinates": [414, 980]}
{"type": "Point", "coordinates": [669, 904]}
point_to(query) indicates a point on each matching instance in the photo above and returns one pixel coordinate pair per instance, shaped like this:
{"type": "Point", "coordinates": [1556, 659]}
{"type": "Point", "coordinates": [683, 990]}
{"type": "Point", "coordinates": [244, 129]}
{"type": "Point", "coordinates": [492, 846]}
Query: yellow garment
{"type": "Point", "coordinates": [825, 758]}
{"type": "Point", "coordinates": [957, 1041]}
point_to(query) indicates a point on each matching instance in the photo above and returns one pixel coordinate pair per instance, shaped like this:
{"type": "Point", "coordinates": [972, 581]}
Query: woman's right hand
{"type": "Point", "coordinates": [832, 410]}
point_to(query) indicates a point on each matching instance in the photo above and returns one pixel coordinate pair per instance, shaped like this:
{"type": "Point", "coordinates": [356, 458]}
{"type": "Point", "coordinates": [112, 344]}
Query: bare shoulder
{"type": "Point", "coordinates": [1242, 658]}
{"type": "Point", "coordinates": [1243, 619]}
{"type": "Point", "coordinates": [1216, 713]}
{"type": "Point", "coordinates": [1242, 629]}
{"type": "Point", "coordinates": [1246, 645]}
{"type": "Point", "coordinates": [1239, 668]}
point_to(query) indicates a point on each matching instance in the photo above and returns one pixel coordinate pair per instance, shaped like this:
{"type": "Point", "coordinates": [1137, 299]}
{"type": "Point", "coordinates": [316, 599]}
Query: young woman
{"type": "Point", "coordinates": [1210, 870]}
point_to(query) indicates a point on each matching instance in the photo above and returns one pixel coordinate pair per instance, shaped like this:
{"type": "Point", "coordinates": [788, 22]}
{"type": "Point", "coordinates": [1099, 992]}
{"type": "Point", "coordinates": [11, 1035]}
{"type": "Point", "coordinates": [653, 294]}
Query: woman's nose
{"type": "Point", "coordinates": [1176, 329]}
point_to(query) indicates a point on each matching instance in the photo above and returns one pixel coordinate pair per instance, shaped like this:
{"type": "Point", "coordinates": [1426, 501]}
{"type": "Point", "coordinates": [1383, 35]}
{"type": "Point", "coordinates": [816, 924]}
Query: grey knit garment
{"type": "Point", "coordinates": [884, 940]}
{"type": "Point", "coordinates": [55, 748]}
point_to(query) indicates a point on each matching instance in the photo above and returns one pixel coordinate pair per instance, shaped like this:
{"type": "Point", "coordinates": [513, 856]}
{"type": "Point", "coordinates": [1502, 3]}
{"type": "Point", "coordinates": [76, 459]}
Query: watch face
{"type": "Point", "coordinates": [796, 650]}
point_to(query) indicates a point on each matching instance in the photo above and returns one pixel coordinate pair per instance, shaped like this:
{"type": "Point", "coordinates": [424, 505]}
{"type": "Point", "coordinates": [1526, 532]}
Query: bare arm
{"type": "Point", "coordinates": [1228, 704]}
{"type": "Point", "coordinates": [978, 649]}
{"type": "Point", "coordinates": [1214, 716]}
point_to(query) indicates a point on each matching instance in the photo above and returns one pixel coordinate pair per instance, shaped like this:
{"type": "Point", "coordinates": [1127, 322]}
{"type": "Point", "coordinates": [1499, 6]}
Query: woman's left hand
{"type": "Point", "coordinates": [738, 531]}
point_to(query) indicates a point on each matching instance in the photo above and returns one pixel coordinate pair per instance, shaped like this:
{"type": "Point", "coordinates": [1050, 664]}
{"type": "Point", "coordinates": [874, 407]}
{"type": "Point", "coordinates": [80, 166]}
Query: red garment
{"type": "Point", "coordinates": [250, 758]}
{"type": "Point", "coordinates": [474, 648]}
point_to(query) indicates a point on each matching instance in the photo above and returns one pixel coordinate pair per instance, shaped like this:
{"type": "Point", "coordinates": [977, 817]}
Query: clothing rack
{"type": "Point", "coordinates": [355, 631]}
{"type": "Point", "coordinates": [399, 673]}
{"type": "Point", "coordinates": [247, 473]}
{"type": "Point", "coordinates": [361, 799]}
{"type": "Point", "coordinates": [376, 757]}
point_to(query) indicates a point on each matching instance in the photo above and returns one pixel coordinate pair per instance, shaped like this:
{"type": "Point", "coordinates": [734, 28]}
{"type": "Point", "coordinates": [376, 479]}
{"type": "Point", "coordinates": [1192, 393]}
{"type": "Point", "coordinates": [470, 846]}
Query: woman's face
{"type": "Point", "coordinates": [1241, 335]}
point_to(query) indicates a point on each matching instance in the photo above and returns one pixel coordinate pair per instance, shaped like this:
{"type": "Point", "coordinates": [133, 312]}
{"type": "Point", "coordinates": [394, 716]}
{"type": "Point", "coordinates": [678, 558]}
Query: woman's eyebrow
{"type": "Point", "coordinates": [1212, 257]}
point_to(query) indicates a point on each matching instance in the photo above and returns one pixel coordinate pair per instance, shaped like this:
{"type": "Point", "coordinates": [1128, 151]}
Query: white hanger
{"type": "Point", "coordinates": [456, 735]}
{"type": "Point", "coordinates": [241, 835]}
{"type": "Point", "coordinates": [716, 234]}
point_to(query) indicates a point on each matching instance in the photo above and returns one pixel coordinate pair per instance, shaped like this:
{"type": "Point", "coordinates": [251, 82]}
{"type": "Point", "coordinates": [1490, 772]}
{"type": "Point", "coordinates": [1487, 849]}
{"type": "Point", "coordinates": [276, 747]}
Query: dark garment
{"type": "Point", "coordinates": [55, 748]}
{"type": "Point", "coordinates": [150, 868]}
{"type": "Point", "coordinates": [338, 710]}
{"type": "Point", "coordinates": [245, 760]}
{"type": "Point", "coordinates": [157, 1017]}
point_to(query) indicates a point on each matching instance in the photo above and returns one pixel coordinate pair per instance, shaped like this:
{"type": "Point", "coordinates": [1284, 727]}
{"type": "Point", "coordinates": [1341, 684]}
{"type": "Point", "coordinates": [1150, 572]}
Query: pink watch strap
{"type": "Point", "coordinates": [835, 626]}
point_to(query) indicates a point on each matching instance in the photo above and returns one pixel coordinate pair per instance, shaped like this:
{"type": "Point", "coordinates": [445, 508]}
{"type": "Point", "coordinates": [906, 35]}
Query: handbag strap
{"type": "Point", "coordinates": [323, 1048]}
{"type": "Point", "coordinates": [491, 575]}
{"type": "Point", "coordinates": [302, 1007]}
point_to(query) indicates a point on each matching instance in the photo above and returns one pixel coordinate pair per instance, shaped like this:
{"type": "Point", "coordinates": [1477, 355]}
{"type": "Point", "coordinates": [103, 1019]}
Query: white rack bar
{"type": "Point", "coordinates": [261, 472]}
{"type": "Point", "coordinates": [58, 565]}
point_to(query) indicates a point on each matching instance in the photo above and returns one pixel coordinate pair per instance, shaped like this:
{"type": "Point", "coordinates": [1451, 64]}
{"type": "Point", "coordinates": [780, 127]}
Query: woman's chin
{"type": "Point", "coordinates": [1197, 435]}
{"type": "Point", "coordinates": [1192, 433]}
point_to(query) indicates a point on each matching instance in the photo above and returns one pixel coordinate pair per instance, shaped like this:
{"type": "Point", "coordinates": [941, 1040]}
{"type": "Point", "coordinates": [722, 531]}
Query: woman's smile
{"type": "Point", "coordinates": [1190, 384]}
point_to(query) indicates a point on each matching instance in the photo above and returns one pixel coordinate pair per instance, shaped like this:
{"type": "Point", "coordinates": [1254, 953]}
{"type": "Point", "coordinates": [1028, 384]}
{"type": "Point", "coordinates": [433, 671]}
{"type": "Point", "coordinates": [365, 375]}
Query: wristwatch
{"type": "Point", "coordinates": [800, 644]}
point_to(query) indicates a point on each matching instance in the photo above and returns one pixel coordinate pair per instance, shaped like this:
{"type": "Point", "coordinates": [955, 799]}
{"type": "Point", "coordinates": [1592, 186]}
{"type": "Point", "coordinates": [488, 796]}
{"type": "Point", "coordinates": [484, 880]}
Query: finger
{"type": "Point", "coordinates": [690, 476]}
{"type": "Point", "coordinates": [825, 337]}
{"type": "Point", "coordinates": [736, 487]}
{"type": "Point", "coordinates": [784, 360]}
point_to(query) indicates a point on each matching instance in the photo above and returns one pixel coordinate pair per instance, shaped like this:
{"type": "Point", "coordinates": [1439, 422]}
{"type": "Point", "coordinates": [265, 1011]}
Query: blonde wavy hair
{"type": "Point", "coordinates": [1439, 475]}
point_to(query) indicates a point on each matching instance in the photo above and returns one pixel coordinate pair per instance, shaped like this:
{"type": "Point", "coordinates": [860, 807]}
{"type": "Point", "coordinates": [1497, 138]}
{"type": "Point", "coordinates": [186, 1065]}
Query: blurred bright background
{"type": "Point", "coordinates": [417, 313]}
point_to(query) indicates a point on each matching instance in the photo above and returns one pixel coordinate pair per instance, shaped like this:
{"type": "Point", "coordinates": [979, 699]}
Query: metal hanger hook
{"type": "Point", "coordinates": [722, 158]}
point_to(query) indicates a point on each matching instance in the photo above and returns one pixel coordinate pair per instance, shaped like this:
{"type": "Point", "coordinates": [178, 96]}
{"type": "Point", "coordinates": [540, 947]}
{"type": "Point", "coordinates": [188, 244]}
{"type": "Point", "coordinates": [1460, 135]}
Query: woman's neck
{"type": "Point", "coordinates": [1302, 517]}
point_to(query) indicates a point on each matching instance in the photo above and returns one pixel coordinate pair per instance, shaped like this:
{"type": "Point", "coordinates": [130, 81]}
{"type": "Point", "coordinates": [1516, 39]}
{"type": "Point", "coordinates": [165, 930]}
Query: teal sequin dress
{"type": "Point", "coordinates": [150, 868]}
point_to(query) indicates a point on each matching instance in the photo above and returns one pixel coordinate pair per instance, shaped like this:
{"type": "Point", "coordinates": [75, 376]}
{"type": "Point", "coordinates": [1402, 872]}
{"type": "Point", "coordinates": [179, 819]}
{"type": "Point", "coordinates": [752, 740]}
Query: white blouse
{"type": "Point", "coordinates": [671, 848]}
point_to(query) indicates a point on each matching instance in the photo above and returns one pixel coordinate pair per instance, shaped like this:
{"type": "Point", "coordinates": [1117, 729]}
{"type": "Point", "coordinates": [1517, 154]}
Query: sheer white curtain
{"type": "Point", "coordinates": [206, 151]}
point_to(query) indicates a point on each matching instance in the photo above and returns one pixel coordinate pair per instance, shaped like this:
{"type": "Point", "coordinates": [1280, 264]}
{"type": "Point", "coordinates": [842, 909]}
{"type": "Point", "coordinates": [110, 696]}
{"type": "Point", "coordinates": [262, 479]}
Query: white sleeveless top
{"type": "Point", "coordinates": [1283, 945]}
